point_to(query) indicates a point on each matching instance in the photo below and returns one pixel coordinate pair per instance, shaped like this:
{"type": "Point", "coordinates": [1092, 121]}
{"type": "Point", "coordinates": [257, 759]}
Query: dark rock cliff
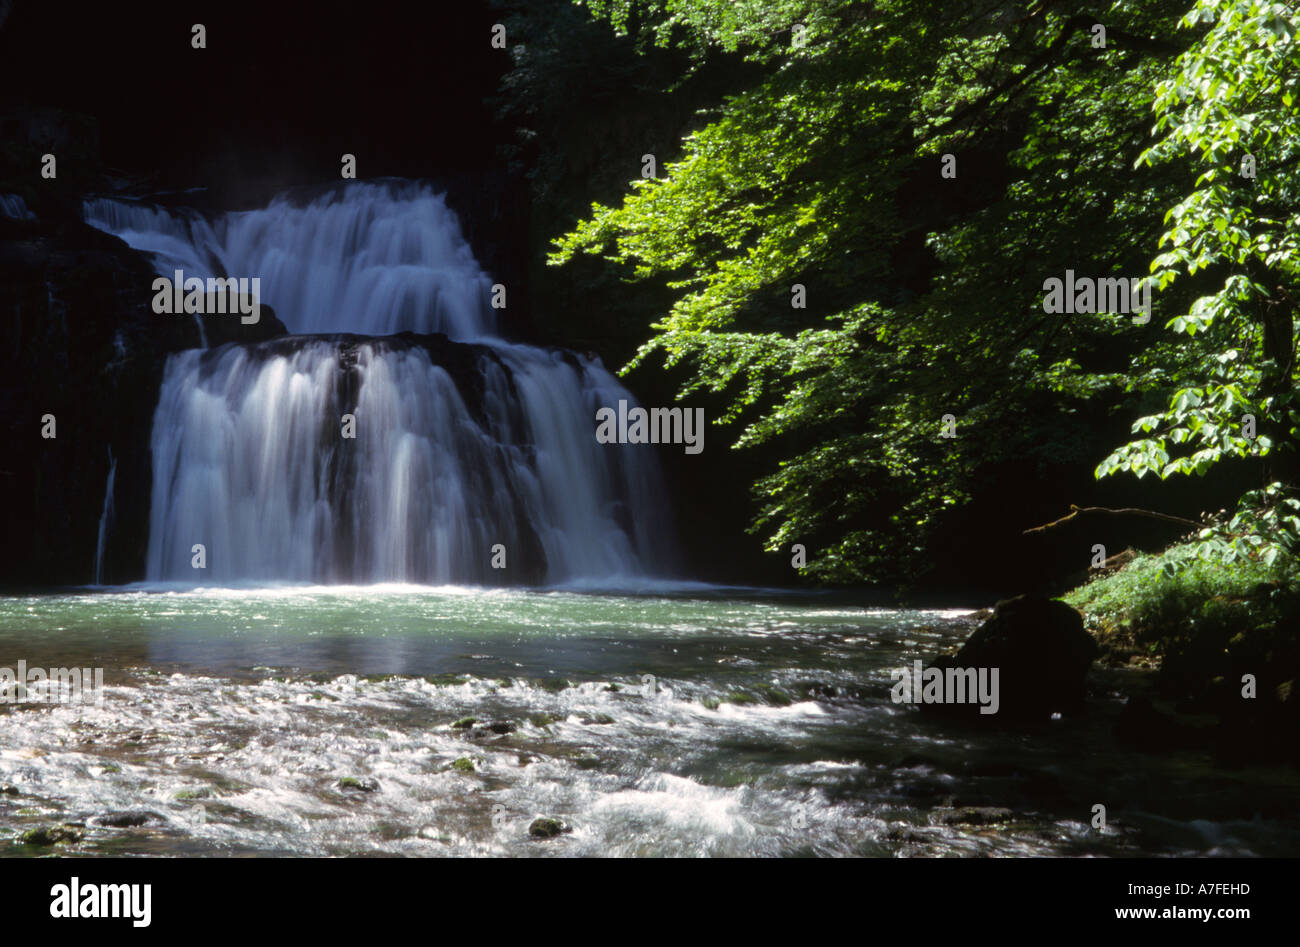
{"type": "Point", "coordinates": [82, 343]}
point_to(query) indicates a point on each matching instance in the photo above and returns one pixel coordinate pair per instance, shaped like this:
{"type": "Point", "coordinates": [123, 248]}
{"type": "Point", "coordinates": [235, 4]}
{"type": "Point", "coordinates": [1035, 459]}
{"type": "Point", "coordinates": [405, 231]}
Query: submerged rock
{"type": "Point", "coordinates": [358, 784]}
{"type": "Point", "coordinates": [552, 685]}
{"type": "Point", "coordinates": [974, 815]}
{"type": "Point", "coordinates": [904, 833]}
{"type": "Point", "coordinates": [123, 820]}
{"type": "Point", "coordinates": [547, 828]}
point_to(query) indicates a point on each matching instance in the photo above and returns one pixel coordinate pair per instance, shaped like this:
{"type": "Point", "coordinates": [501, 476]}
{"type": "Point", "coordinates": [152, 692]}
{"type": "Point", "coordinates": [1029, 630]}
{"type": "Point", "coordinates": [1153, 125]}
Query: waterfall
{"type": "Point", "coordinates": [105, 519]}
{"type": "Point", "coordinates": [373, 259]}
{"type": "Point", "coordinates": [466, 452]}
{"type": "Point", "coordinates": [14, 207]}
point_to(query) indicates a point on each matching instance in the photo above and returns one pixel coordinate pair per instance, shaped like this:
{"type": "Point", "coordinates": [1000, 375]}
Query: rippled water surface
{"type": "Point", "coordinates": [332, 721]}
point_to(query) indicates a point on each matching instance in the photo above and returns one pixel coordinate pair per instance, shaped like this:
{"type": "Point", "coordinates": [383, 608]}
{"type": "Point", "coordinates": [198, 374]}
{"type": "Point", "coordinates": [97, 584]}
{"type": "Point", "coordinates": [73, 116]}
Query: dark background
{"type": "Point", "coordinates": [281, 92]}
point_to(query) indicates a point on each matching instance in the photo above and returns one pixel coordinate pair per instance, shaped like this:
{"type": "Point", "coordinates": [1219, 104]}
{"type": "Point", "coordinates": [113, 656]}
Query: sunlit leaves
{"type": "Point", "coordinates": [818, 173]}
{"type": "Point", "coordinates": [1232, 95]}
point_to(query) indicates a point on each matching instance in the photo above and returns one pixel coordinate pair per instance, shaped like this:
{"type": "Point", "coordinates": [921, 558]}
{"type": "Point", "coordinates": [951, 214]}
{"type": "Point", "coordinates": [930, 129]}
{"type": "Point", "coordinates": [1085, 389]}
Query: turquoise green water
{"type": "Point", "coordinates": [693, 723]}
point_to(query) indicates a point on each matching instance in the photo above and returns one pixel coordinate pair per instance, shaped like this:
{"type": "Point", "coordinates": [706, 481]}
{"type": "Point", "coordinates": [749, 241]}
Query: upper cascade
{"type": "Point", "coordinates": [371, 258]}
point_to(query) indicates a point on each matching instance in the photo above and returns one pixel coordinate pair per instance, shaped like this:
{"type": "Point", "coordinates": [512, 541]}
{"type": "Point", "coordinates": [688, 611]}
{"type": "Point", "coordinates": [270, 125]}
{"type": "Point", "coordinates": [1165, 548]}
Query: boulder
{"type": "Point", "coordinates": [52, 835]}
{"type": "Point", "coordinates": [1042, 654]}
{"type": "Point", "coordinates": [545, 828]}
{"type": "Point", "coordinates": [123, 820]}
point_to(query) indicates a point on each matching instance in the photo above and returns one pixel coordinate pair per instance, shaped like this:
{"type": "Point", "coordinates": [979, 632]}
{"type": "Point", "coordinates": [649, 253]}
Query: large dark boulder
{"type": "Point", "coordinates": [1042, 654]}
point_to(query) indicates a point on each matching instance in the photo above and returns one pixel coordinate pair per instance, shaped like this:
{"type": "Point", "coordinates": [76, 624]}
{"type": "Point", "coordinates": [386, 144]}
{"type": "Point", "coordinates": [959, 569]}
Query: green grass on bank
{"type": "Point", "coordinates": [1205, 620]}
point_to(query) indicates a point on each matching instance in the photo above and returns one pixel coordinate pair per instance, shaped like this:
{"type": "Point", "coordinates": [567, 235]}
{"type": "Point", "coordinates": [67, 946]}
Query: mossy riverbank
{"type": "Point", "coordinates": [1223, 640]}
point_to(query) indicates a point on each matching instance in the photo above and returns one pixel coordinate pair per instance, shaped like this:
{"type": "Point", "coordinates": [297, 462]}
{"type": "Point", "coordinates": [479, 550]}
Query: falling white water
{"type": "Point", "coordinates": [369, 258]}
{"type": "Point", "coordinates": [105, 519]}
{"type": "Point", "coordinates": [455, 454]}
{"type": "Point", "coordinates": [247, 442]}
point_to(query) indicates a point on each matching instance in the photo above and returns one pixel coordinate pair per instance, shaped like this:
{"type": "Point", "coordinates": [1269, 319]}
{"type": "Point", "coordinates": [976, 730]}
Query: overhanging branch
{"type": "Point", "coordinates": [1123, 511]}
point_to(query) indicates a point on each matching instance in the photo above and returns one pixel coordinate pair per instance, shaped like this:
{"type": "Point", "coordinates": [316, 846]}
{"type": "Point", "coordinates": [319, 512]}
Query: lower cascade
{"type": "Point", "coordinates": [401, 458]}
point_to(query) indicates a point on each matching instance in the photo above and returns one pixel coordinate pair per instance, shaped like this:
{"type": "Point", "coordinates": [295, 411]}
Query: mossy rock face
{"type": "Point", "coordinates": [545, 828]}
{"type": "Point", "coordinates": [586, 762]}
{"type": "Point", "coordinates": [185, 795]}
{"type": "Point", "coordinates": [552, 684]}
{"type": "Point", "coordinates": [52, 835]}
{"type": "Point", "coordinates": [541, 720]}
{"type": "Point", "coordinates": [464, 765]}
{"type": "Point", "coordinates": [597, 719]}
{"type": "Point", "coordinates": [740, 697]}
{"type": "Point", "coordinates": [464, 723]}
{"type": "Point", "coordinates": [358, 784]}
{"type": "Point", "coordinates": [710, 703]}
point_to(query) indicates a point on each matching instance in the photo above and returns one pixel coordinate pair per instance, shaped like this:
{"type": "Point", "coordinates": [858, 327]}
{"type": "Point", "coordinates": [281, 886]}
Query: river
{"type": "Point", "coordinates": [673, 721]}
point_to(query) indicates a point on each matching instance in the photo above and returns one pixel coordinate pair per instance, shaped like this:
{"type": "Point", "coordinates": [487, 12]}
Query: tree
{"type": "Point", "coordinates": [1228, 114]}
{"type": "Point", "coordinates": [924, 294]}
